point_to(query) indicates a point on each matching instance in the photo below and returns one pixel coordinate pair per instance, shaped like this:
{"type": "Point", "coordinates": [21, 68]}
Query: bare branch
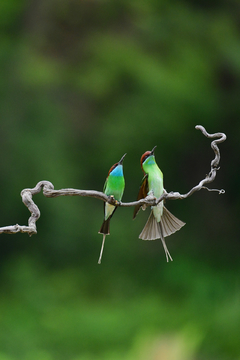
{"type": "Point", "coordinates": [150, 200]}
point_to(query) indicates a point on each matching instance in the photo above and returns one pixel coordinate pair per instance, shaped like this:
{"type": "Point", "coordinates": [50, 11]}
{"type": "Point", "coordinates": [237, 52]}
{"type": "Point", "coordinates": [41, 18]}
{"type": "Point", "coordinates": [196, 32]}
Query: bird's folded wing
{"type": "Point", "coordinates": [143, 191]}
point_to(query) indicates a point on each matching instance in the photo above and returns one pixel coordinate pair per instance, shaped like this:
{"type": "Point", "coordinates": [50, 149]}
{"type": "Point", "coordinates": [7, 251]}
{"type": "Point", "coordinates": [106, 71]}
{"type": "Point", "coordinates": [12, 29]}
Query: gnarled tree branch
{"type": "Point", "coordinates": [49, 191]}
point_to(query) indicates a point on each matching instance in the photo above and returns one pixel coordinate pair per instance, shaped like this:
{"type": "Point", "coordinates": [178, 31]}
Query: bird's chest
{"type": "Point", "coordinates": [155, 184]}
{"type": "Point", "coordinates": [115, 187]}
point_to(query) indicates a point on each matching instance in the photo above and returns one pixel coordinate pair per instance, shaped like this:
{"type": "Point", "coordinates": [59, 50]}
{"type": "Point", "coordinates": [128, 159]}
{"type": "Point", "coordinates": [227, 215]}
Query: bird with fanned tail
{"type": "Point", "coordinates": [161, 222]}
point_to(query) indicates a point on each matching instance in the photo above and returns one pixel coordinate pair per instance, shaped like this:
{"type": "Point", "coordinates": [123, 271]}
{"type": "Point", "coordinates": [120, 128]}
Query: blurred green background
{"type": "Point", "coordinates": [81, 83]}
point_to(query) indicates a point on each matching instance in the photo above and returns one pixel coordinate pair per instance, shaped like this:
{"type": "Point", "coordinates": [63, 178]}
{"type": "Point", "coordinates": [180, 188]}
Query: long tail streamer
{"type": "Point", "coordinates": [101, 252]}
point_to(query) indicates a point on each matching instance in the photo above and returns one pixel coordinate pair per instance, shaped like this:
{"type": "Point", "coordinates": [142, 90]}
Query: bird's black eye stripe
{"type": "Point", "coordinates": [145, 157]}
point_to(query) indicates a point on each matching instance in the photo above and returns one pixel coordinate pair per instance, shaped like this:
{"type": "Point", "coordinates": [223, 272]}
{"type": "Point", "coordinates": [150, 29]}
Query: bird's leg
{"type": "Point", "coordinates": [150, 196]}
{"type": "Point", "coordinates": [111, 200]}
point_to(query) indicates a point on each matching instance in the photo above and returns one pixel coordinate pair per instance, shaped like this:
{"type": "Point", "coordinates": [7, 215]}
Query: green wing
{"type": "Point", "coordinates": [143, 191]}
{"type": "Point", "coordinates": [105, 185]}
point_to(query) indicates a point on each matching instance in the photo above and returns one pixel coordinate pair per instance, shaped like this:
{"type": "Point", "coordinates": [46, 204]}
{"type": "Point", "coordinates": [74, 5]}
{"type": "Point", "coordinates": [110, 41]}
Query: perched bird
{"type": "Point", "coordinates": [161, 222]}
{"type": "Point", "coordinates": [114, 186]}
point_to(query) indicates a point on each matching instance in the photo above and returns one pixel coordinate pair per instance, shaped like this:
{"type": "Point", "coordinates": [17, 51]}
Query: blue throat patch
{"type": "Point", "coordinates": [150, 160]}
{"type": "Point", "coordinates": [118, 171]}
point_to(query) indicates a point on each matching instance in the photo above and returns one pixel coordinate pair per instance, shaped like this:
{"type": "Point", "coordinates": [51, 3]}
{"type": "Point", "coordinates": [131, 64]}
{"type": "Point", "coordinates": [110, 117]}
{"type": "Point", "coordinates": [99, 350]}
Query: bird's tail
{"type": "Point", "coordinates": [101, 252]}
{"type": "Point", "coordinates": [105, 231]}
{"type": "Point", "coordinates": [158, 230]}
{"type": "Point", "coordinates": [105, 227]}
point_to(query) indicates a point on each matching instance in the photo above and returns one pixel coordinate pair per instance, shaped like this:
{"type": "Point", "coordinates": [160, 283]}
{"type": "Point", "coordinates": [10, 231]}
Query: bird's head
{"type": "Point", "coordinates": [120, 162]}
{"type": "Point", "coordinates": [146, 155]}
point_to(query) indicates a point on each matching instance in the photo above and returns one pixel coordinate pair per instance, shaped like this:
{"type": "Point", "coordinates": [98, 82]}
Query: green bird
{"type": "Point", "coordinates": [161, 222]}
{"type": "Point", "coordinates": [114, 186]}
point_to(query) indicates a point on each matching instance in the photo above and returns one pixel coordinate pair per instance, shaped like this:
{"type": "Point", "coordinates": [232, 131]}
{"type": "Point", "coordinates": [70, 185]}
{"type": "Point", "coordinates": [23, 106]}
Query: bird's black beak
{"type": "Point", "coordinates": [121, 161]}
{"type": "Point", "coordinates": [152, 152]}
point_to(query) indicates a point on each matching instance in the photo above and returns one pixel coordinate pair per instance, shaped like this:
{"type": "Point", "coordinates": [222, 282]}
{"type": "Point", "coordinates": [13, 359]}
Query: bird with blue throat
{"type": "Point", "coordinates": [161, 222]}
{"type": "Point", "coordinates": [114, 186]}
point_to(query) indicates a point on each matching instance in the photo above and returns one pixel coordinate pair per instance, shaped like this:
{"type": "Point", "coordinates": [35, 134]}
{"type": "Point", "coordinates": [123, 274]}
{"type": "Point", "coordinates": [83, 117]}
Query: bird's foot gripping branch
{"type": "Point", "coordinates": [112, 199]}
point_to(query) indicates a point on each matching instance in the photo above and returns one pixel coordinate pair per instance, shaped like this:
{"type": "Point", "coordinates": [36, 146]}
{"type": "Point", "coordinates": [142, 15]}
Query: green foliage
{"type": "Point", "coordinates": [81, 84]}
{"type": "Point", "coordinates": [55, 315]}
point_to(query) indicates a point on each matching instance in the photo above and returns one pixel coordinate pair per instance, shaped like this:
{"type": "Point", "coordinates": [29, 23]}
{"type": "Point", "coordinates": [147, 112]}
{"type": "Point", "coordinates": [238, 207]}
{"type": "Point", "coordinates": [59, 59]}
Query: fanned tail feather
{"type": "Point", "coordinates": [168, 225]}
